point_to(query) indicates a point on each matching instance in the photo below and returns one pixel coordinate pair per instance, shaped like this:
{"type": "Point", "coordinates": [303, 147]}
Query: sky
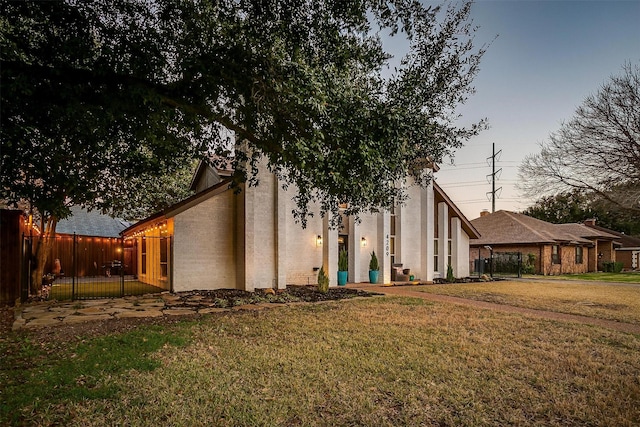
{"type": "Point", "coordinates": [547, 58]}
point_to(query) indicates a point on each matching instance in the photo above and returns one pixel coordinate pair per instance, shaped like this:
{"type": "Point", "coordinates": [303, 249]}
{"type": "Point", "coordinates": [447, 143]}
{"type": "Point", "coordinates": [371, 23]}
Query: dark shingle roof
{"type": "Point", "coordinates": [92, 223]}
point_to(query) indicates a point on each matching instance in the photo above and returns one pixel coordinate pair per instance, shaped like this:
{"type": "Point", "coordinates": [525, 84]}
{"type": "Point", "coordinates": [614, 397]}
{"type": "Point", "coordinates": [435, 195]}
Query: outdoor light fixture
{"type": "Point", "coordinates": [319, 240]}
{"type": "Point", "coordinates": [363, 242]}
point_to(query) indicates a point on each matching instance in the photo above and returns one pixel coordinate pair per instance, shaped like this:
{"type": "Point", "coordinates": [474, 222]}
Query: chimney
{"type": "Point", "coordinates": [590, 222]}
{"type": "Point", "coordinates": [484, 212]}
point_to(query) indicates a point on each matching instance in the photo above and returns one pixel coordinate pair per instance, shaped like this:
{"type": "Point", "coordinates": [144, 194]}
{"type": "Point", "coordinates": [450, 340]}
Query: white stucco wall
{"type": "Point", "coordinates": [204, 245]}
{"type": "Point", "coordinates": [260, 234]}
{"type": "Point", "coordinates": [303, 254]}
{"type": "Point", "coordinates": [411, 237]}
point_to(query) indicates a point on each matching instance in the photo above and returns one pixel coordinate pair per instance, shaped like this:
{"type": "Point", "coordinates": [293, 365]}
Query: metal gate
{"type": "Point", "coordinates": [85, 267]}
{"type": "Point", "coordinates": [506, 264]}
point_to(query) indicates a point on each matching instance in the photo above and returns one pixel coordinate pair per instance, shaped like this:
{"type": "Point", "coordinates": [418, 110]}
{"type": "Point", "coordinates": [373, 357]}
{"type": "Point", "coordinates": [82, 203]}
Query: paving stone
{"type": "Point", "coordinates": [43, 322]}
{"type": "Point", "coordinates": [47, 315]}
{"type": "Point", "coordinates": [86, 318]}
{"type": "Point", "coordinates": [170, 297]}
{"type": "Point", "coordinates": [179, 311]}
{"type": "Point", "coordinates": [91, 310]}
{"type": "Point", "coordinates": [36, 309]}
{"type": "Point", "coordinates": [133, 313]}
{"type": "Point", "coordinates": [18, 323]}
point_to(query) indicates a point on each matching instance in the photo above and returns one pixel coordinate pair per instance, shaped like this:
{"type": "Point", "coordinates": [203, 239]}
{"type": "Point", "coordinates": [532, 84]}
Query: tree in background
{"type": "Point", "coordinates": [576, 206]}
{"type": "Point", "coordinates": [597, 151]}
{"type": "Point", "coordinates": [99, 94]}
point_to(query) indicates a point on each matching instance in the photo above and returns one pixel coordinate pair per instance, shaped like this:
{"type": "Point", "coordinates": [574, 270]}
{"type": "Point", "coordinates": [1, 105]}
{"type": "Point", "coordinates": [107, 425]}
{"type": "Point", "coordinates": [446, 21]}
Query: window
{"type": "Point", "coordinates": [435, 255]}
{"type": "Point", "coordinates": [449, 253]}
{"type": "Point", "coordinates": [579, 254]}
{"type": "Point", "coordinates": [392, 230]}
{"type": "Point", "coordinates": [143, 251]}
{"type": "Point", "coordinates": [163, 256]}
{"type": "Point", "coordinates": [555, 254]}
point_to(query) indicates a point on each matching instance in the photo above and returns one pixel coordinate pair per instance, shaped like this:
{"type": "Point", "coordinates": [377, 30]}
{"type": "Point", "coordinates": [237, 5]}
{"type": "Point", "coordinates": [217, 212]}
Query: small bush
{"type": "Point", "coordinates": [323, 281]}
{"type": "Point", "coordinates": [612, 267]}
{"type": "Point", "coordinates": [450, 277]}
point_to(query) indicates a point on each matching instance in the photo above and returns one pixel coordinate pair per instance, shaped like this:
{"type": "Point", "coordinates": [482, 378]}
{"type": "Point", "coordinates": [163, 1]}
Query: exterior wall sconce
{"type": "Point", "coordinates": [319, 240]}
{"type": "Point", "coordinates": [363, 242]}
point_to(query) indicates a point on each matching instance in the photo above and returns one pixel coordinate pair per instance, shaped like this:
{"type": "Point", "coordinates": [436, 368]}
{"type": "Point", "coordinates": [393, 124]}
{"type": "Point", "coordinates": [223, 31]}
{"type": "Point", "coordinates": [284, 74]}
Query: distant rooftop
{"type": "Point", "coordinates": [91, 223]}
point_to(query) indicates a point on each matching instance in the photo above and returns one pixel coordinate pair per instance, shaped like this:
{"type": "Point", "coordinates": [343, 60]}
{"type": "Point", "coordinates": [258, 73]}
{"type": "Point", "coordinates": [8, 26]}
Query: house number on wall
{"type": "Point", "coordinates": [386, 245]}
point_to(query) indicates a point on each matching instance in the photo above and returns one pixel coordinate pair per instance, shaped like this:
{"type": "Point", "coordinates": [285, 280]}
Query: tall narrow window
{"type": "Point", "coordinates": [435, 255]}
{"type": "Point", "coordinates": [143, 251]}
{"type": "Point", "coordinates": [555, 254]}
{"type": "Point", "coordinates": [163, 256]}
{"type": "Point", "coordinates": [449, 253]}
{"type": "Point", "coordinates": [392, 233]}
{"type": "Point", "coordinates": [579, 254]}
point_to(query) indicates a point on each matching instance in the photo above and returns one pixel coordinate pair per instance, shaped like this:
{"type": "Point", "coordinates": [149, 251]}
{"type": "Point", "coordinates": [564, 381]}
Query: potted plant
{"type": "Point", "coordinates": [374, 268]}
{"type": "Point", "coordinates": [343, 268]}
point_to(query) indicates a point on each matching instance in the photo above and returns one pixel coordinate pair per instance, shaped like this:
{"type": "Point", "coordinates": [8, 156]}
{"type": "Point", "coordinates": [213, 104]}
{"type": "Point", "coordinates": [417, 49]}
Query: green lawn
{"type": "Point", "coordinates": [377, 362]}
{"type": "Point", "coordinates": [626, 277]}
{"type": "Point", "coordinates": [100, 289]}
{"type": "Point", "coordinates": [614, 302]}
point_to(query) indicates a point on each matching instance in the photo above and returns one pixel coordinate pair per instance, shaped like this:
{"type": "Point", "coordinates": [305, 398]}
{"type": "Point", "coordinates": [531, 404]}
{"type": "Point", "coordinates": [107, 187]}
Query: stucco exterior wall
{"type": "Point", "coordinates": [303, 253]}
{"type": "Point", "coordinates": [204, 248]}
{"type": "Point", "coordinates": [368, 229]}
{"type": "Point", "coordinates": [412, 234]}
{"type": "Point", "coordinates": [260, 234]}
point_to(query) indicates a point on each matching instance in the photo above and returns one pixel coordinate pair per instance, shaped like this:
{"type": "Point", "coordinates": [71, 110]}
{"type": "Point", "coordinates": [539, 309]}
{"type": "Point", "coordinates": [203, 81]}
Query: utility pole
{"type": "Point", "coordinates": [493, 177]}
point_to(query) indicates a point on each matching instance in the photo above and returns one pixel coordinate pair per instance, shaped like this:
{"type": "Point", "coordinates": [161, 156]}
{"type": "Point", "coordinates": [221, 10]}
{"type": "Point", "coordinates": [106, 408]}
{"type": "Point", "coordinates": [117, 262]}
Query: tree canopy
{"type": "Point", "coordinates": [95, 93]}
{"type": "Point", "coordinates": [597, 151]}
{"type": "Point", "coordinates": [577, 206]}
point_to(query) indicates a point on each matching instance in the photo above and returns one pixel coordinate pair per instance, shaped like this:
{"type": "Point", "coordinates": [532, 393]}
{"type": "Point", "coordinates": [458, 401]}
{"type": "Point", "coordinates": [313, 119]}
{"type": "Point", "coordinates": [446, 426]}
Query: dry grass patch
{"type": "Point", "coordinates": [613, 302]}
{"type": "Point", "coordinates": [380, 362]}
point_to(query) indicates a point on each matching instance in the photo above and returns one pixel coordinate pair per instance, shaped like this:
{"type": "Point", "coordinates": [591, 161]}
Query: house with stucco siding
{"type": "Point", "coordinates": [221, 238]}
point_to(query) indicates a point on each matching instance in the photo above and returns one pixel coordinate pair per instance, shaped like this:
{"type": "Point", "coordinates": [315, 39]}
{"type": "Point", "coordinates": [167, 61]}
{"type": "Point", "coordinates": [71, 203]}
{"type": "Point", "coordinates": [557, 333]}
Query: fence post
{"type": "Point", "coordinates": [25, 267]}
{"type": "Point", "coordinates": [121, 266]}
{"type": "Point", "coordinates": [74, 262]}
{"type": "Point", "coordinates": [519, 265]}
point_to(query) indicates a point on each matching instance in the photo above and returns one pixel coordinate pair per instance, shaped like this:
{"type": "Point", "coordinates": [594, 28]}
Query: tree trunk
{"type": "Point", "coordinates": [43, 249]}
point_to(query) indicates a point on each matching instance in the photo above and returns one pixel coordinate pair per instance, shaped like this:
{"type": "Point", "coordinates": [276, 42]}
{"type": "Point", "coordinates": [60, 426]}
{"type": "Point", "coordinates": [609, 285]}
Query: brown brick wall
{"type": "Point", "coordinates": [543, 264]}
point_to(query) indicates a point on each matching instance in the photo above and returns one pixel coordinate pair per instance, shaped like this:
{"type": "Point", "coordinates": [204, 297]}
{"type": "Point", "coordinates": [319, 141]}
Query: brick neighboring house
{"type": "Point", "coordinates": [557, 248]}
{"type": "Point", "coordinates": [626, 248]}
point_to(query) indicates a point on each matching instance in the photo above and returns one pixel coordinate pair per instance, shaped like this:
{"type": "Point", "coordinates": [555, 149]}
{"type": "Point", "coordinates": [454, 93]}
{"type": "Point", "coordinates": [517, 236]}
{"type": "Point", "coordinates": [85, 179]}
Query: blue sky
{"type": "Point", "coordinates": [547, 57]}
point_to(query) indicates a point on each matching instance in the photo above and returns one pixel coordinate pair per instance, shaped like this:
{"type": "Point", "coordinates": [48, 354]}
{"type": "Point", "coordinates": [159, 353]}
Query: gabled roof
{"type": "Point", "coordinates": [467, 226]}
{"type": "Point", "coordinates": [182, 206]}
{"type": "Point", "coordinates": [625, 240]}
{"type": "Point", "coordinates": [510, 228]}
{"type": "Point", "coordinates": [225, 170]}
{"type": "Point", "coordinates": [586, 232]}
{"type": "Point", "coordinates": [90, 223]}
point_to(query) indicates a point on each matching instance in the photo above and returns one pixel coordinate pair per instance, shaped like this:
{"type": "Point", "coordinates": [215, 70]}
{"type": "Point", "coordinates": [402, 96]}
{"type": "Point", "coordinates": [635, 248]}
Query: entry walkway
{"type": "Point", "coordinates": [407, 291]}
{"type": "Point", "coordinates": [151, 305]}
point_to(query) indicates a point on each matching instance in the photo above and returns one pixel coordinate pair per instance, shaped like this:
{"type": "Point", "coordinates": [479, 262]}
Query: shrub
{"type": "Point", "coordinates": [450, 277]}
{"type": "Point", "coordinates": [612, 267]}
{"type": "Point", "coordinates": [373, 264]}
{"type": "Point", "coordinates": [343, 262]}
{"type": "Point", "coordinates": [323, 281]}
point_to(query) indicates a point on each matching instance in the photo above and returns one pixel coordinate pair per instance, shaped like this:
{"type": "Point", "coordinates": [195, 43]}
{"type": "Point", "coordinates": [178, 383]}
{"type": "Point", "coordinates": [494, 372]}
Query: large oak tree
{"type": "Point", "coordinates": [95, 93]}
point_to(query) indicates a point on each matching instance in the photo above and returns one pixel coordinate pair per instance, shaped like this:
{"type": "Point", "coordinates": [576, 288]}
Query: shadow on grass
{"type": "Point", "coordinates": [33, 377]}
